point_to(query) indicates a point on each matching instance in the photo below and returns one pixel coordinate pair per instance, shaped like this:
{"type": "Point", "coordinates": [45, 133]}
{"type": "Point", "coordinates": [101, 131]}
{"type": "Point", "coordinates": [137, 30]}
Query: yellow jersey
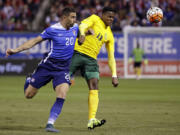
{"type": "Point", "coordinates": [93, 43]}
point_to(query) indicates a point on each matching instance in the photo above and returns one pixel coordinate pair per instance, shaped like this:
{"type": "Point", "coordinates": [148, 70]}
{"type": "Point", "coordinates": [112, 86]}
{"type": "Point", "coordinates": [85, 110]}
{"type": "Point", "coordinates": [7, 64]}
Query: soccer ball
{"type": "Point", "coordinates": [154, 15]}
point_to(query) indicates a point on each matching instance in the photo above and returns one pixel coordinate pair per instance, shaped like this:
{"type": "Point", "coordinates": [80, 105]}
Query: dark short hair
{"type": "Point", "coordinates": [108, 9]}
{"type": "Point", "coordinates": [66, 11]}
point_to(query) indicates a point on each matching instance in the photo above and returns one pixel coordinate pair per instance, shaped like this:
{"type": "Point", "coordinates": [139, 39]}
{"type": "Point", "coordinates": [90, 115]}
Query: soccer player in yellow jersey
{"type": "Point", "coordinates": [85, 57]}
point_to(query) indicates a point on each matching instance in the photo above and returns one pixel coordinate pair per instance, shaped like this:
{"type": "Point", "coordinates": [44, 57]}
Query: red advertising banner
{"type": "Point", "coordinates": [158, 68]}
{"type": "Point", "coordinates": [105, 70]}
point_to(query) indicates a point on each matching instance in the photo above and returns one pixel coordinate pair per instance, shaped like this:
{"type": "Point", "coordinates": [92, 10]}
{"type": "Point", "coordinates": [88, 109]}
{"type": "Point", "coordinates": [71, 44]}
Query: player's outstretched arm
{"type": "Point", "coordinates": [27, 45]}
{"type": "Point", "coordinates": [112, 64]}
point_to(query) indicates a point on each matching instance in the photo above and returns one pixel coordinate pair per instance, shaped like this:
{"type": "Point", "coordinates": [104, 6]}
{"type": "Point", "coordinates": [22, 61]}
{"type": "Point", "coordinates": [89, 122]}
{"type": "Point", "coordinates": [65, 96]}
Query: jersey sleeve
{"type": "Point", "coordinates": [111, 59]}
{"type": "Point", "coordinates": [46, 34]}
{"type": "Point", "coordinates": [86, 23]}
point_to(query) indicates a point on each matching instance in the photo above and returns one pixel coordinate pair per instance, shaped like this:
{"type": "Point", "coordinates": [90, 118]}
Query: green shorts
{"type": "Point", "coordinates": [87, 65]}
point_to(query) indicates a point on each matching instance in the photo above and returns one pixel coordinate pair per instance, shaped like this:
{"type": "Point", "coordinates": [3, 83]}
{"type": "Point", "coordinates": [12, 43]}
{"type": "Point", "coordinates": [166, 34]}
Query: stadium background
{"type": "Point", "coordinates": [21, 20]}
{"type": "Point", "coordinates": [144, 107]}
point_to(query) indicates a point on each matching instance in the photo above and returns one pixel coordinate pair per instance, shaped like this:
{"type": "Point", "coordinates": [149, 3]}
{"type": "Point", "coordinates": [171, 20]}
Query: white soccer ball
{"type": "Point", "coordinates": [154, 15]}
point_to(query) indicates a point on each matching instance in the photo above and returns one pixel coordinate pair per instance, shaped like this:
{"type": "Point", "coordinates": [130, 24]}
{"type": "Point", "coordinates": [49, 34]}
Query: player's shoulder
{"type": "Point", "coordinates": [60, 27]}
{"type": "Point", "coordinates": [94, 16]}
{"type": "Point", "coordinates": [57, 26]}
{"type": "Point", "coordinates": [75, 25]}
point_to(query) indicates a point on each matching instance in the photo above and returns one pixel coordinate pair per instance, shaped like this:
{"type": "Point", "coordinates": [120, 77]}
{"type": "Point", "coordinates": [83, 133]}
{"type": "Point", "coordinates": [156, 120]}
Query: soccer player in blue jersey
{"type": "Point", "coordinates": [55, 66]}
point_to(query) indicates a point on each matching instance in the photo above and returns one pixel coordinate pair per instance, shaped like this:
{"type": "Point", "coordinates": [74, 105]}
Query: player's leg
{"type": "Point", "coordinates": [138, 68]}
{"type": "Point", "coordinates": [38, 79]}
{"type": "Point", "coordinates": [61, 91]}
{"type": "Point", "coordinates": [135, 70]}
{"type": "Point", "coordinates": [61, 84]}
{"type": "Point", "coordinates": [93, 101]}
{"type": "Point", "coordinates": [30, 91]}
{"type": "Point", "coordinates": [92, 77]}
{"type": "Point", "coordinates": [76, 63]}
{"type": "Point", "coordinates": [138, 72]}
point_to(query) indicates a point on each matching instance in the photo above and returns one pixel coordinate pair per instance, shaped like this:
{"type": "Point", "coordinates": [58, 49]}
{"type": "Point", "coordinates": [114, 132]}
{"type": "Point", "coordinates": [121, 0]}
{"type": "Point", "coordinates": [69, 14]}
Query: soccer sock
{"type": "Point", "coordinates": [93, 102]}
{"type": "Point", "coordinates": [55, 110]}
{"type": "Point", "coordinates": [138, 71]}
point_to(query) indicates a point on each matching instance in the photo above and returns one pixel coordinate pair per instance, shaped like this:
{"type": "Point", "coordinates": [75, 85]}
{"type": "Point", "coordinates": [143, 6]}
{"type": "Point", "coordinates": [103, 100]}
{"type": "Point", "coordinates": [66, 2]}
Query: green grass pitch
{"type": "Point", "coordinates": [144, 107]}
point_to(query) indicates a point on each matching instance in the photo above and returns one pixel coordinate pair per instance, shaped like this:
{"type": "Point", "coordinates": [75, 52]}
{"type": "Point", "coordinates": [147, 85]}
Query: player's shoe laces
{"type": "Point", "coordinates": [50, 128]}
{"type": "Point", "coordinates": [93, 123]}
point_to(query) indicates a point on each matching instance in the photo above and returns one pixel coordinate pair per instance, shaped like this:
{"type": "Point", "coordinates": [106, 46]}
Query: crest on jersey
{"type": "Point", "coordinates": [74, 32]}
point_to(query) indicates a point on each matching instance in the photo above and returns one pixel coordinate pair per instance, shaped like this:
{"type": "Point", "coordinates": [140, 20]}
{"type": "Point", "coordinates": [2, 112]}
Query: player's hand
{"type": "Point", "coordinates": [10, 52]}
{"type": "Point", "coordinates": [115, 81]}
{"type": "Point", "coordinates": [90, 32]}
{"type": "Point", "coordinates": [81, 39]}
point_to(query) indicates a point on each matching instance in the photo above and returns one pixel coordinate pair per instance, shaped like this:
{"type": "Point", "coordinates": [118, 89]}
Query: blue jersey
{"type": "Point", "coordinates": [56, 64]}
{"type": "Point", "coordinates": [62, 41]}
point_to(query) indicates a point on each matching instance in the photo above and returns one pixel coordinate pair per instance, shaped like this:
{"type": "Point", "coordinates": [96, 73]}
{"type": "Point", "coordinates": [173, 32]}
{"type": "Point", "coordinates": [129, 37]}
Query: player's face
{"type": "Point", "coordinates": [108, 18]}
{"type": "Point", "coordinates": [71, 19]}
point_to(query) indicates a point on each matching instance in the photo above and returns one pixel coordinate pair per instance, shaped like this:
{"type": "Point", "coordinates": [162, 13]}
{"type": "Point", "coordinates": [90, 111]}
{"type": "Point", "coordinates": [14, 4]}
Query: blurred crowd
{"type": "Point", "coordinates": [19, 14]}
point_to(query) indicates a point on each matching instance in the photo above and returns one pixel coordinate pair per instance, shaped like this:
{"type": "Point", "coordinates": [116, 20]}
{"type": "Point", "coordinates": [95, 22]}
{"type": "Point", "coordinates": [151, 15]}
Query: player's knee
{"type": "Point", "coordinates": [61, 90]}
{"type": "Point", "coordinates": [29, 95]}
{"type": "Point", "coordinates": [62, 94]}
{"type": "Point", "coordinates": [94, 83]}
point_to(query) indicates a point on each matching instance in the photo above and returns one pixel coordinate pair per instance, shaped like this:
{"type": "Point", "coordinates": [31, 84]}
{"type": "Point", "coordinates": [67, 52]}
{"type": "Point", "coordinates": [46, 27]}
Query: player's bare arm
{"type": "Point", "coordinates": [27, 45]}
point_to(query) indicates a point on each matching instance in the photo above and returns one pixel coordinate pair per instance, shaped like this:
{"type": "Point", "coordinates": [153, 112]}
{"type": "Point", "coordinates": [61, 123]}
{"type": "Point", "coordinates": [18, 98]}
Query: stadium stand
{"type": "Point", "coordinates": [20, 15]}
{"type": "Point", "coordinates": [17, 15]}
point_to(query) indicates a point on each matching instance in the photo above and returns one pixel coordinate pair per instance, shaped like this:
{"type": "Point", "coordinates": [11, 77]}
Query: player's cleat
{"type": "Point", "coordinates": [50, 128]}
{"type": "Point", "coordinates": [93, 123]}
